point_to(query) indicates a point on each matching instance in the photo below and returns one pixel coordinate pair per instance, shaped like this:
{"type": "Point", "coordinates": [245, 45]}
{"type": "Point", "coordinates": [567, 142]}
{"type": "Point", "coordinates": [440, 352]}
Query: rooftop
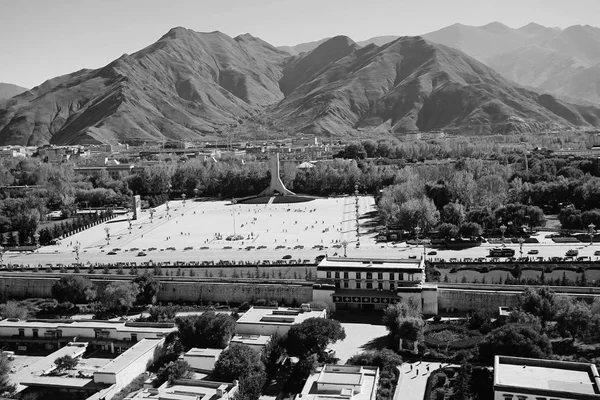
{"type": "Point", "coordinates": [370, 263]}
{"type": "Point", "coordinates": [189, 389]}
{"type": "Point", "coordinates": [257, 340]}
{"type": "Point", "coordinates": [342, 381]}
{"type": "Point", "coordinates": [195, 352]}
{"type": "Point", "coordinates": [552, 378]}
{"type": "Point", "coordinates": [132, 354]}
{"type": "Point", "coordinates": [278, 316]}
{"type": "Point", "coordinates": [89, 324]}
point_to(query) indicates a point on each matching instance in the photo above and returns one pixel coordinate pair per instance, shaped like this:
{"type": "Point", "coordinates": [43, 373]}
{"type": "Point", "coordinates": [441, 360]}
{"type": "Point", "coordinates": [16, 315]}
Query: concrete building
{"type": "Point", "coordinates": [113, 336]}
{"type": "Point", "coordinates": [189, 389]}
{"type": "Point", "coordinates": [202, 360]}
{"type": "Point", "coordinates": [342, 382]}
{"type": "Point", "coordinates": [270, 320]}
{"type": "Point", "coordinates": [255, 342]}
{"type": "Point", "coordinates": [126, 367]}
{"type": "Point", "coordinates": [351, 283]}
{"type": "Point", "coordinates": [518, 378]}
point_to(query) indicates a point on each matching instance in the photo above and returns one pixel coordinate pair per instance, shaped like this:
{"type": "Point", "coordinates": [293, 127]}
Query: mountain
{"type": "Point", "coordinates": [8, 90]}
{"type": "Point", "coordinates": [378, 40]}
{"type": "Point", "coordinates": [549, 59]}
{"type": "Point", "coordinates": [302, 47]}
{"type": "Point", "coordinates": [197, 86]}
{"type": "Point", "coordinates": [411, 84]}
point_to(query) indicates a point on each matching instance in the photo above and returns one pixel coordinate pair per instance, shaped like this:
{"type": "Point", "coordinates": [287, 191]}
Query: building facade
{"type": "Point", "coordinates": [361, 283]}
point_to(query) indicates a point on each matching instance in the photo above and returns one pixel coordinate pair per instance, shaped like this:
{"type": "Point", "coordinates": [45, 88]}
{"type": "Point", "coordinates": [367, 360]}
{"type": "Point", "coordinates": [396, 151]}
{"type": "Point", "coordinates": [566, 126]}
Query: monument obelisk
{"type": "Point", "coordinates": [276, 187]}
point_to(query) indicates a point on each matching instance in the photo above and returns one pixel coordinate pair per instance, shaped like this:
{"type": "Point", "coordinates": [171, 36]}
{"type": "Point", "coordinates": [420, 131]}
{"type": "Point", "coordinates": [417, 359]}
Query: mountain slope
{"type": "Point", "coordinates": [195, 86]}
{"type": "Point", "coordinates": [412, 84]}
{"type": "Point", "coordinates": [549, 59]}
{"type": "Point", "coordinates": [183, 86]}
{"type": "Point", "coordinates": [8, 90]}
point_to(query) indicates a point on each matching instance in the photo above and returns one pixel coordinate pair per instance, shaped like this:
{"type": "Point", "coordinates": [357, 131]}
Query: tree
{"type": "Point", "coordinates": [453, 213]}
{"type": "Point", "coordinates": [272, 352]}
{"type": "Point", "coordinates": [524, 318]}
{"type": "Point", "coordinates": [148, 287]}
{"type": "Point", "coordinates": [240, 362]}
{"type": "Point", "coordinates": [65, 363]}
{"type": "Point", "coordinates": [399, 311]}
{"type": "Point", "coordinates": [471, 229]}
{"type": "Point", "coordinates": [313, 336]}
{"type": "Point", "coordinates": [540, 302]}
{"type": "Point", "coordinates": [6, 387]}
{"type": "Point", "coordinates": [574, 318]}
{"type": "Point", "coordinates": [384, 359]}
{"type": "Point", "coordinates": [119, 297]}
{"type": "Point", "coordinates": [514, 340]}
{"type": "Point", "coordinates": [209, 330]}
{"type": "Point", "coordinates": [14, 309]}
{"type": "Point", "coordinates": [461, 389]}
{"type": "Point", "coordinates": [74, 289]}
{"type": "Point", "coordinates": [178, 369]}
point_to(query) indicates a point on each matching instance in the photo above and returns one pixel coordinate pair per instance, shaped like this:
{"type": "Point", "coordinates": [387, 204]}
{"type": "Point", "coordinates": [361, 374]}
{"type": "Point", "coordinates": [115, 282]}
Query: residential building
{"type": "Point", "coordinates": [368, 283]}
{"type": "Point", "coordinates": [342, 382]}
{"type": "Point", "coordinates": [518, 378]}
{"type": "Point", "coordinates": [255, 342]}
{"type": "Point", "coordinates": [202, 360]}
{"type": "Point", "coordinates": [271, 320]}
{"type": "Point", "coordinates": [189, 389]}
{"type": "Point", "coordinates": [113, 336]}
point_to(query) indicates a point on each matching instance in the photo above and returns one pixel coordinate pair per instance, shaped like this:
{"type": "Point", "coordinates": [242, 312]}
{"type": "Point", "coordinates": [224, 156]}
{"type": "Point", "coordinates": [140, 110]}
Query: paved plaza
{"type": "Point", "coordinates": [197, 231]}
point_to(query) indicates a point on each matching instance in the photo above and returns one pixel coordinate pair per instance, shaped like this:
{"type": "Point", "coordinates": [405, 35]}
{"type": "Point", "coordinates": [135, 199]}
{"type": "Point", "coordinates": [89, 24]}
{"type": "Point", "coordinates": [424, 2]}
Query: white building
{"type": "Point", "coordinates": [518, 378]}
{"type": "Point", "coordinates": [255, 342]}
{"type": "Point", "coordinates": [368, 283]}
{"type": "Point", "coordinates": [189, 389]}
{"type": "Point", "coordinates": [270, 320]}
{"type": "Point", "coordinates": [113, 336]}
{"type": "Point", "coordinates": [342, 382]}
{"type": "Point", "coordinates": [126, 367]}
{"type": "Point", "coordinates": [202, 360]}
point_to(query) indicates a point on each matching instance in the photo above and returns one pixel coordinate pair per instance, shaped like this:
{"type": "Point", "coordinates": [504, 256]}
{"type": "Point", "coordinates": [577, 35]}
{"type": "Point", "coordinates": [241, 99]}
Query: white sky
{"type": "Point", "coordinates": [41, 39]}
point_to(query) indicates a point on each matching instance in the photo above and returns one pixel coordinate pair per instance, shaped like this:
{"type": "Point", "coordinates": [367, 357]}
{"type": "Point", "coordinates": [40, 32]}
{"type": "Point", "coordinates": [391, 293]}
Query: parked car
{"type": "Point", "coordinates": [286, 257]}
{"type": "Point", "coordinates": [112, 253]}
{"type": "Point", "coordinates": [432, 253]}
{"type": "Point", "coordinates": [141, 254]}
{"type": "Point", "coordinates": [533, 251]}
{"type": "Point", "coordinates": [597, 253]}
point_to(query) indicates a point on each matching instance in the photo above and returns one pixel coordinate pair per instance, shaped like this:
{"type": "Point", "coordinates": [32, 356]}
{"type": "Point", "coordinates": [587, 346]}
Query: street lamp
{"type": "Point", "coordinates": [183, 197]}
{"type": "Point", "coordinates": [521, 241]}
{"type": "Point", "coordinates": [152, 211]}
{"type": "Point", "coordinates": [502, 229]}
{"type": "Point", "coordinates": [129, 221]}
{"type": "Point", "coordinates": [195, 192]}
{"type": "Point", "coordinates": [76, 250]}
{"type": "Point", "coordinates": [1, 256]}
{"type": "Point", "coordinates": [345, 244]}
{"type": "Point", "coordinates": [591, 232]}
{"type": "Point", "coordinates": [234, 202]}
{"type": "Point", "coordinates": [36, 239]}
{"type": "Point", "coordinates": [417, 231]}
{"type": "Point", "coordinates": [107, 230]}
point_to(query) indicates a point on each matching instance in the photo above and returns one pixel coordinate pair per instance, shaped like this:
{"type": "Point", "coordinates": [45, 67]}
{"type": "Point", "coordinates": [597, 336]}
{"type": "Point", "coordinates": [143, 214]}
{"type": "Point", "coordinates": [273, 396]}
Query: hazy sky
{"type": "Point", "coordinates": [41, 39]}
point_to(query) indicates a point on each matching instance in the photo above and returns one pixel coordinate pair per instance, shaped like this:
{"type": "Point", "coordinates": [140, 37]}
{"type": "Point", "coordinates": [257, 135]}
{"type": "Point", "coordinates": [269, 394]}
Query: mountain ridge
{"type": "Point", "coordinates": [8, 90]}
{"type": "Point", "coordinates": [192, 86]}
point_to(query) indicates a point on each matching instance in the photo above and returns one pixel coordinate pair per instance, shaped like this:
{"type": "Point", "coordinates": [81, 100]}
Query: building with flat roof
{"type": "Point", "coordinates": [270, 320]}
{"type": "Point", "coordinates": [255, 342]}
{"type": "Point", "coordinates": [52, 334]}
{"type": "Point", "coordinates": [369, 283]}
{"type": "Point", "coordinates": [202, 360]}
{"type": "Point", "coordinates": [518, 378]}
{"type": "Point", "coordinates": [342, 382]}
{"type": "Point", "coordinates": [188, 389]}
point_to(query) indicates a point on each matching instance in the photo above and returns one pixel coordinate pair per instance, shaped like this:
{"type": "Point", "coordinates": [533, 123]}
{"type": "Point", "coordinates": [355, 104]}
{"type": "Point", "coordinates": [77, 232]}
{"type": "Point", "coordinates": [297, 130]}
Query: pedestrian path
{"type": "Point", "coordinates": [413, 379]}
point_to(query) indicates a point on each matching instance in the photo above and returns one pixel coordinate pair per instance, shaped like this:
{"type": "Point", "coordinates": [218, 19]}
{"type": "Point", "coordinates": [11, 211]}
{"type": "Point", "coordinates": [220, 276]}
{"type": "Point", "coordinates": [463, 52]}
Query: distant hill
{"type": "Point", "coordinates": [193, 86]}
{"type": "Point", "coordinates": [302, 47]}
{"type": "Point", "coordinates": [8, 90]}
{"type": "Point", "coordinates": [563, 62]}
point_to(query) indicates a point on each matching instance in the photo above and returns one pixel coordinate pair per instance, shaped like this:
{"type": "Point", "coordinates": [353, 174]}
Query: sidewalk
{"type": "Point", "coordinates": [411, 385]}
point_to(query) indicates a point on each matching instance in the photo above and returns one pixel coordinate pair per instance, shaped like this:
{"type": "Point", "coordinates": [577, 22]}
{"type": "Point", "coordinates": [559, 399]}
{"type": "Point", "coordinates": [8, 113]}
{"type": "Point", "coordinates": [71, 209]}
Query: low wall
{"type": "Point", "coordinates": [23, 285]}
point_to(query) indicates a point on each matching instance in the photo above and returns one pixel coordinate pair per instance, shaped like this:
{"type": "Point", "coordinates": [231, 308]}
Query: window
{"type": "Point", "coordinates": [400, 276]}
{"type": "Point", "coordinates": [392, 286]}
{"type": "Point", "coordinates": [337, 275]}
{"type": "Point", "coordinates": [346, 284]}
{"type": "Point", "coordinates": [329, 274]}
{"type": "Point", "coordinates": [380, 285]}
{"type": "Point", "coordinates": [134, 337]}
{"type": "Point", "coordinates": [21, 332]}
{"type": "Point", "coordinates": [380, 275]}
{"type": "Point", "coordinates": [36, 333]}
{"type": "Point", "coordinates": [358, 275]}
{"type": "Point", "coordinates": [337, 284]}
{"type": "Point", "coordinates": [345, 275]}
{"type": "Point", "coordinates": [59, 333]}
{"type": "Point", "coordinates": [369, 275]}
{"type": "Point", "coordinates": [507, 396]}
{"type": "Point", "coordinates": [369, 285]}
{"type": "Point", "coordinates": [391, 276]}
{"type": "Point", "coordinates": [358, 285]}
